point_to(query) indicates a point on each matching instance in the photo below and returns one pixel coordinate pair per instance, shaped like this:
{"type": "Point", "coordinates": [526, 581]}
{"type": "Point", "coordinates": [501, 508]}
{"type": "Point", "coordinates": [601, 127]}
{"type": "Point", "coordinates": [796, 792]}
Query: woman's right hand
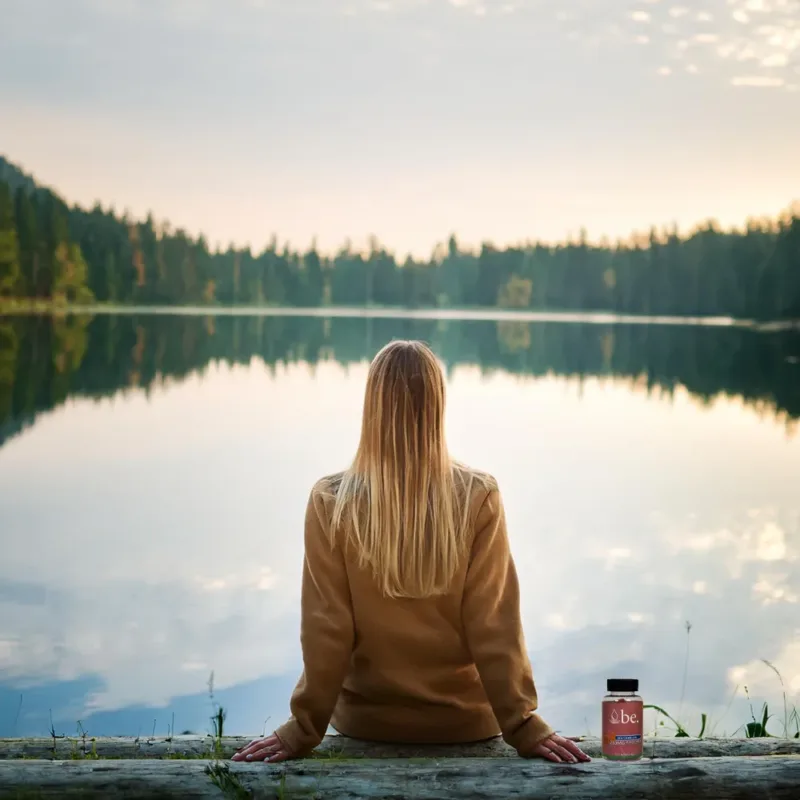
{"type": "Point", "coordinates": [270, 749]}
{"type": "Point", "coordinates": [557, 748]}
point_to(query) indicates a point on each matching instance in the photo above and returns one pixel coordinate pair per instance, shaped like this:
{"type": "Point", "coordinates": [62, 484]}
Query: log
{"type": "Point", "coordinates": [119, 747]}
{"type": "Point", "coordinates": [721, 778]}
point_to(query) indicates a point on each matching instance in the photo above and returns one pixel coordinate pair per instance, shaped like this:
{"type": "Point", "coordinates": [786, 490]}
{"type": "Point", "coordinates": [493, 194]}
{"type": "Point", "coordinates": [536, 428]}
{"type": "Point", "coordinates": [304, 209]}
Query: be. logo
{"type": "Point", "coordinates": [623, 718]}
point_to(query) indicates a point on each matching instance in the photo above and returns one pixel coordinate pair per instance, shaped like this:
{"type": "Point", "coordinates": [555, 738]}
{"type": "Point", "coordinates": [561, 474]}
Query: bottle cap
{"type": "Point", "coordinates": [622, 685]}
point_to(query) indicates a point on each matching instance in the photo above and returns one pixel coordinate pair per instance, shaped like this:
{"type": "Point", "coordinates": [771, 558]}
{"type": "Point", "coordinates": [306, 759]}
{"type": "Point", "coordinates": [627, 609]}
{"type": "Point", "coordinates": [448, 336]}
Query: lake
{"type": "Point", "coordinates": [154, 471]}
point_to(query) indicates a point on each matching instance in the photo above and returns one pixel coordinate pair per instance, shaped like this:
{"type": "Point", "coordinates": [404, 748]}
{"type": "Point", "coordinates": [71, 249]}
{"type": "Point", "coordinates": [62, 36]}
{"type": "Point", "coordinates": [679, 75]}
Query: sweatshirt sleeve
{"type": "Point", "coordinates": [491, 618]}
{"type": "Point", "coordinates": [326, 635]}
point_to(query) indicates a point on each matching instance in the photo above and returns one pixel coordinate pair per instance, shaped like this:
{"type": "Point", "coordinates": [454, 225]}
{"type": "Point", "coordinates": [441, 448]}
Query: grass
{"type": "Point", "coordinates": [755, 728]}
{"type": "Point", "coordinates": [217, 718]}
{"type": "Point", "coordinates": [231, 786]}
{"type": "Point", "coordinates": [25, 305]}
{"type": "Point", "coordinates": [83, 746]}
{"type": "Point", "coordinates": [228, 783]}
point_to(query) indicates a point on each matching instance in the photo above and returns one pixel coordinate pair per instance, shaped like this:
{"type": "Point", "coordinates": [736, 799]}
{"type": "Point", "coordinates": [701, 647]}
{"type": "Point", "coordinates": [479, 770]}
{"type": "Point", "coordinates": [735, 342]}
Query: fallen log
{"type": "Point", "coordinates": [721, 778]}
{"type": "Point", "coordinates": [120, 747]}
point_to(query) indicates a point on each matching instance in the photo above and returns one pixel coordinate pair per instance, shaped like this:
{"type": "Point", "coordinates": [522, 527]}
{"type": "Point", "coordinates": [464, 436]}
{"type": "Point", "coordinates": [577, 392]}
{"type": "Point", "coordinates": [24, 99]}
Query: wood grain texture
{"type": "Point", "coordinates": [717, 778]}
{"type": "Point", "coordinates": [341, 746]}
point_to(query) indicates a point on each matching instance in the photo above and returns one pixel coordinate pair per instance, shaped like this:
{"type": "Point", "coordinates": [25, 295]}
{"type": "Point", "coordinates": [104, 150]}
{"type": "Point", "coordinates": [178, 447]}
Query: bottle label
{"type": "Point", "coordinates": [623, 728]}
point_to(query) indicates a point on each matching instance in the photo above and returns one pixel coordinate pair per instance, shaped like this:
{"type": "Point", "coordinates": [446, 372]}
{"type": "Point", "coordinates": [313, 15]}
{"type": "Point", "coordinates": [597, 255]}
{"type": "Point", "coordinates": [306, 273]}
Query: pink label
{"type": "Point", "coordinates": [623, 728]}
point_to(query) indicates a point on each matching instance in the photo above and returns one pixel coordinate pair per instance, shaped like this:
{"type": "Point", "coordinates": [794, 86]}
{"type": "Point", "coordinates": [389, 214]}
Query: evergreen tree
{"type": "Point", "coordinates": [70, 276]}
{"type": "Point", "coordinates": [28, 236]}
{"type": "Point", "coordinates": [9, 246]}
{"type": "Point", "coordinates": [750, 273]}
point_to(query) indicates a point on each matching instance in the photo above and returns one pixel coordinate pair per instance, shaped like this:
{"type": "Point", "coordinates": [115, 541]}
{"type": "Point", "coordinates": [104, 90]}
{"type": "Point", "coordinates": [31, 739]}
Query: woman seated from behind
{"type": "Point", "coordinates": [410, 624]}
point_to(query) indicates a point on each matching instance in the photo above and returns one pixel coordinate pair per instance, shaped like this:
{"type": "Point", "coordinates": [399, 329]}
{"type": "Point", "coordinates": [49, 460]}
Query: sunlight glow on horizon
{"type": "Point", "coordinates": [337, 121]}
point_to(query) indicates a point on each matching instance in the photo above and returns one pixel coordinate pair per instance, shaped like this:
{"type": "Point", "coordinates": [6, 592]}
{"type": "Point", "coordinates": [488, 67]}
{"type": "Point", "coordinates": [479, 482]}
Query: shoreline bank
{"type": "Point", "coordinates": [391, 312]}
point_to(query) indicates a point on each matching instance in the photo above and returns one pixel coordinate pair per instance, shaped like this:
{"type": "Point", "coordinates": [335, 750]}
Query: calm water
{"type": "Point", "coordinates": [154, 472]}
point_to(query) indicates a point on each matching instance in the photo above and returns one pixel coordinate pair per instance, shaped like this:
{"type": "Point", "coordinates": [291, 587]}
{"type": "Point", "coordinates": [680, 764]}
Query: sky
{"type": "Point", "coordinates": [334, 120]}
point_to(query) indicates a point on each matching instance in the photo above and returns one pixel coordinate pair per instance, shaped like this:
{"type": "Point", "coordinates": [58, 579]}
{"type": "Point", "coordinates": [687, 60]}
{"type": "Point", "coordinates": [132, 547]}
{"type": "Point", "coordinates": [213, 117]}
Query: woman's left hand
{"type": "Point", "coordinates": [269, 749]}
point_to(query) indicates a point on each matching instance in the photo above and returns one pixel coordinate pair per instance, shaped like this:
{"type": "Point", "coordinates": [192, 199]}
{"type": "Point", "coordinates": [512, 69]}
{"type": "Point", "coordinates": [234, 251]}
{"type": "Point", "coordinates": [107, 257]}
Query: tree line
{"type": "Point", "coordinates": [51, 250]}
{"type": "Point", "coordinates": [44, 360]}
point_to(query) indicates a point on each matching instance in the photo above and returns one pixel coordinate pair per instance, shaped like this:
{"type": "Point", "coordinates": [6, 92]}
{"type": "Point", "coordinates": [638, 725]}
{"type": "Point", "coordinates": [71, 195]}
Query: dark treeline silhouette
{"type": "Point", "coordinates": [50, 250]}
{"type": "Point", "coordinates": [45, 360]}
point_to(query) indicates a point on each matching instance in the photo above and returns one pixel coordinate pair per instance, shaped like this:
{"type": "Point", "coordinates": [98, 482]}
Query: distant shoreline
{"type": "Point", "coordinates": [387, 312]}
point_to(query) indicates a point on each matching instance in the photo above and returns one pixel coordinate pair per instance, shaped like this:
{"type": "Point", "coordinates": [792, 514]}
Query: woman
{"type": "Point", "coordinates": [410, 601]}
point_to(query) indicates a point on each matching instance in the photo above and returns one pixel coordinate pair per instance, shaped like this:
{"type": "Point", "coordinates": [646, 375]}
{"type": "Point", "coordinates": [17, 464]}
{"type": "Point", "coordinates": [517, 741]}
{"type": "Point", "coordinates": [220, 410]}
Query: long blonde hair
{"type": "Point", "coordinates": [403, 503]}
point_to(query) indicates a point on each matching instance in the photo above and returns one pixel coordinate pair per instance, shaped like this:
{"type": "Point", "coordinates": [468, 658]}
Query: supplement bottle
{"type": "Point", "coordinates": [623, 718]}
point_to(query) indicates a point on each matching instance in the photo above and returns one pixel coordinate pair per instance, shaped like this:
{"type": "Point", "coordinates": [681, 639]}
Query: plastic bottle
{"type": "Point", "coordinates": [623, 720]}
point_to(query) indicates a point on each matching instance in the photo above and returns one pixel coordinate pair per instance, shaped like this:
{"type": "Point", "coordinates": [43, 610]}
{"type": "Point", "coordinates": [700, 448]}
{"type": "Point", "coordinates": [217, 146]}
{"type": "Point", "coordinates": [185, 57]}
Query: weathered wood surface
{"type": "Point", "coordinates": [723, 778]}
{"type": "Point", "coordinates": [206, 746]}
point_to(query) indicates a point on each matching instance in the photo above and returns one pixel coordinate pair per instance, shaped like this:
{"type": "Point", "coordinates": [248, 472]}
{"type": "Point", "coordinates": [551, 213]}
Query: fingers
{"type": "Point", "coordinates": [264, 753]}
{"type": "Point", "coordinates": [269, 749]}
{"type": "Point", "coordinates": [248, 753]}
{"type": "Point", "coordinates": [562, 752]}
{"type": "Point", "coordinates": [249, 748]}
{"type": "Point", "coordinates": [245, 746]}
{"type": "Point", "coordinates": [575, 750]}
{"type": "Point", "coordinates": [559, 750]}
{"type": "Point", "coordinates": [542, 751]}
{"type": "Point", "coordinates": [259, 740]}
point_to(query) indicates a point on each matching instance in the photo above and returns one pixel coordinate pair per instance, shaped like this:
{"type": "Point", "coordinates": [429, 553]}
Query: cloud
{"type": "Point", "coordinates": [766, 33]}
{"type": "Point", "coordinates": [775, 588]}
{"type": "Point", "coordinates": [760, 676]}
{"type": "Point", "coordinates": [267, 33]}
{"type": "Point", "coordinates": [757, 81]}
{"type": "Point", "coordinates": [743, 30]}
{"type": "Point", "coordinates": [481, 7]}
{"type": "Point", "coordinates": [382, 97]}
{"type": "Point", "coordinates": [190, 585]}
{"type": "Point", "coordinates": [776, 60]}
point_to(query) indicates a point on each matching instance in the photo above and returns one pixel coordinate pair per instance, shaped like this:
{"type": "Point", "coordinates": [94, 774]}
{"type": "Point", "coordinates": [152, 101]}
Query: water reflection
{"type": "Point", "coordinates": [155, 535]}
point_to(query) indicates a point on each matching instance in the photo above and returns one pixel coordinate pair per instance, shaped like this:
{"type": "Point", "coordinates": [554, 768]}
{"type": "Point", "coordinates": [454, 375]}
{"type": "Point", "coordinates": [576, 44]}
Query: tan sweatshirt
{"type": "Point", "coordinates": [444, 669]}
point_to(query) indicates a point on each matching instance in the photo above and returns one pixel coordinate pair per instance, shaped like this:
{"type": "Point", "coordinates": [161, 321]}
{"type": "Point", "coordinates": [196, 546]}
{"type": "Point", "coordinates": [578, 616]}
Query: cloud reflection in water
{"type": "Point", "coordinates": [155, 540]}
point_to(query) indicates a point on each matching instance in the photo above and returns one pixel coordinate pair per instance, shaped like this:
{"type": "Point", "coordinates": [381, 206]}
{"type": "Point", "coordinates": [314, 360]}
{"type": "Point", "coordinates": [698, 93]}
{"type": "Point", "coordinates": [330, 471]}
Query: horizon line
{"type": "Point", "coordinates": [767, 222]}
